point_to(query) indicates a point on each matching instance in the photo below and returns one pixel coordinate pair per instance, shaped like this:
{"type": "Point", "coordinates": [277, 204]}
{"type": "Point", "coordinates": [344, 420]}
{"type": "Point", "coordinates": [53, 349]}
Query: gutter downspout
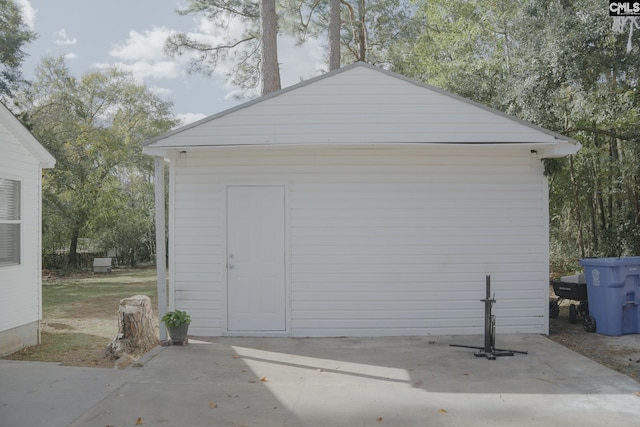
{"type": "Point", "coordinates": [160, 243]}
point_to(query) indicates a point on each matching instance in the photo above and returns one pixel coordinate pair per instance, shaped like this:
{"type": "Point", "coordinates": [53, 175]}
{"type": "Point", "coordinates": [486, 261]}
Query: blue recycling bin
{"type": "Point", "coordinates": [613, 291]}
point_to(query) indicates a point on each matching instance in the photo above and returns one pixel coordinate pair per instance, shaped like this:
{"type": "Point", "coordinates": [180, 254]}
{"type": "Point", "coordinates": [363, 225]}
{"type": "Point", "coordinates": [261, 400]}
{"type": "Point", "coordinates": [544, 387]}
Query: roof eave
{"type": "Point", "coordinates": [547, 149]}
{"type": "Point", "coordinates": [563, 148]}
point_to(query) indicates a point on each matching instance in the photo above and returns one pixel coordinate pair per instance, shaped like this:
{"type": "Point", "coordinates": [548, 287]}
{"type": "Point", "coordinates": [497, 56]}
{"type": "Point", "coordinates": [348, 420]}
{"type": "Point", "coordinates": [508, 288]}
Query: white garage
{"type": "Point", "coordinates": [358, 203]}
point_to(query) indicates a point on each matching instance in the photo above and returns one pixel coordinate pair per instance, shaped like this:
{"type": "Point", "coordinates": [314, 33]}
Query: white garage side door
{"type": "Point", "coordinates": [255, 259]}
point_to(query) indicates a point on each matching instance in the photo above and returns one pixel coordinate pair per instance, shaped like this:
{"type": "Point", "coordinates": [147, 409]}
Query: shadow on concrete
{"type": "Point", "coordinates": [398, 381]}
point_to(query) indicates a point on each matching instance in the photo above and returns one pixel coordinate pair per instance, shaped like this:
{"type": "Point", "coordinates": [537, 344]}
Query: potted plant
{"type": "Point", "coordinates": [177, 323]}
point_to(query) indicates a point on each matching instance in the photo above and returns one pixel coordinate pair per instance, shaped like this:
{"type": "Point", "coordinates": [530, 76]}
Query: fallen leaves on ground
{"type": "Point", "coordinates": [139, 421]}
{"type": "Point", "coordinates": [443, 411]}
{"type": "Point", "coordinates": [213, 405]}
{"type": "Point", "coordinates": [264, 379]}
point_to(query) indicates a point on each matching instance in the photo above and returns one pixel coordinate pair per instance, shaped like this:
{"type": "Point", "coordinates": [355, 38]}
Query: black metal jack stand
{"type": "Point", "coordinates": [489, 350]}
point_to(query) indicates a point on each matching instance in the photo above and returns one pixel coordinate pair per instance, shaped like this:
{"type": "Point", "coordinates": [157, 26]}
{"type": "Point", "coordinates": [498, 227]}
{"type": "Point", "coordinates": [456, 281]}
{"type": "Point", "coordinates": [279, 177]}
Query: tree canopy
{"type": "Point", "coordinates": [101, 188]}
{"type": "Point", "coordinates": [14, 35]}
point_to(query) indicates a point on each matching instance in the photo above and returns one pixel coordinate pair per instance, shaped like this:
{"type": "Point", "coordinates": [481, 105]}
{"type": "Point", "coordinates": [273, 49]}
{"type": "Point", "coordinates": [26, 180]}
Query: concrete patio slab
{"type": "Point", "coordinates": [34, 394]}
{"type": "Point", "coordinates": [398, 381]}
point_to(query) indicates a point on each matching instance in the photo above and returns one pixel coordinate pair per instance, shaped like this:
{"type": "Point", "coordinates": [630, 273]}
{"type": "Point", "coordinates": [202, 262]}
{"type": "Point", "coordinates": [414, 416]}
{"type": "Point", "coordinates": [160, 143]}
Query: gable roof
{"type": "Point", "coordinates": [26, 138]}
{"type": "Point", "coordinates": [360, 104]}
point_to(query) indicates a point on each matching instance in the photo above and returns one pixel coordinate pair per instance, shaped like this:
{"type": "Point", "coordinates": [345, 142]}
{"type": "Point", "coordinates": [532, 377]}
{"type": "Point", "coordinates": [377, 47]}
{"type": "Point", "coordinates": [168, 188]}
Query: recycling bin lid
{"type": "Point", "coordinates": [610, 262]}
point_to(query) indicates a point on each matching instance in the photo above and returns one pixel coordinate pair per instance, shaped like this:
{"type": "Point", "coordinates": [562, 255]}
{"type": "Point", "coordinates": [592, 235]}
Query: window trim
{"type": "Point", "coordinates": [17, 260]}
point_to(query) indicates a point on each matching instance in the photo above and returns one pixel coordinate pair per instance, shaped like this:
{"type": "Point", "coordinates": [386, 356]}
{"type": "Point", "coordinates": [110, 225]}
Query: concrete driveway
{"type": "Point", "coordinates": [399, 381]}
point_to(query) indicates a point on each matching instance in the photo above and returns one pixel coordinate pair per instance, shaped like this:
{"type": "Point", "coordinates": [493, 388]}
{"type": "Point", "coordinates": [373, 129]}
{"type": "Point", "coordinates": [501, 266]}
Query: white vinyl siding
{"type": "Point", "coordinates": [9, 222]}
{"type": "Point", "coordinates": [380, 241]}
{"type": "Point", "coordinates": [20, 283]}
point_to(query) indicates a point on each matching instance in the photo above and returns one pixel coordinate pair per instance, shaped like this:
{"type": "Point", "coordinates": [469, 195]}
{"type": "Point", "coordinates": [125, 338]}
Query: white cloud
{"type": "Point", "coordinates": [157, 70]}
{"type": "Point", "coordinates": [147, 46]}
{"type": "Point", "coordinates": [187, 118]}
{"type": "Point", "coordinates": [162, 92]}
{"type": "Point", "coordinates": [28, 13]}
{"type": "Point", "coordinates": [300, 62]}
{"type": "Point", "coordinates": [142, 54]}
{"type": "Point", "coordinates": [70, 55]}
{"type": "Point", "coordinates": [233, 29]}
{"type": "Point", "coordinates": [62, 39]}
{"type": "Point", "coordinates": [142, 70]}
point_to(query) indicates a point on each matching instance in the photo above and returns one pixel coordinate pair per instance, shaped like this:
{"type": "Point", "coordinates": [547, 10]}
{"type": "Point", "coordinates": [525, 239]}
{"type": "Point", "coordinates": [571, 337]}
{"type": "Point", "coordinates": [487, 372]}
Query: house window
{"type": "Point", "coordinates": [9, 222]}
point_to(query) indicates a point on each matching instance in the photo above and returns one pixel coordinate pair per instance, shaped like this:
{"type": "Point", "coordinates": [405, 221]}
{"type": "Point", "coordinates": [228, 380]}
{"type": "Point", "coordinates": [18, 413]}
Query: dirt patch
{"type": "Point", "coordinates": [76, 342]}
{"type": "Point", "coordinates": [55, 327]}
{"type": "Point", "coordinates": [80, 316]}
{"type": "Point", "coordinates": [69, 348]}
{"type": "Point", "coordinates": [618, 353]}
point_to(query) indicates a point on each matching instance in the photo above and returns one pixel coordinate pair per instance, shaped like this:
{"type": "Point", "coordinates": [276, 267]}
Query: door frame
{"type": "Point", "coordinates": [225, 271]}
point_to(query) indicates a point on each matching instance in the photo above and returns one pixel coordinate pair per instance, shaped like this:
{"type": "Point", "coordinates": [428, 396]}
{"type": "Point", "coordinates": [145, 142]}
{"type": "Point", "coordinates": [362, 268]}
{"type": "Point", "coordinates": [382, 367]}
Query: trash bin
{"type": "Point", "coordinates": [613, 290]}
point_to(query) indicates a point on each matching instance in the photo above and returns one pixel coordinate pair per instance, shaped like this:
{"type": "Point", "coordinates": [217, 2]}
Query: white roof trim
{"type": "Point", "coordinates": [546, 149]}
{"type": "Point", "coordinates": [29, 141]}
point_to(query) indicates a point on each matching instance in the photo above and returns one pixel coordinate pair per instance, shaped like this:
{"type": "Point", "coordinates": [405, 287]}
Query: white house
{"type": "Point", "coordinates": [358, 203]}
{"type": "Point", "coordinates": [22, 159]}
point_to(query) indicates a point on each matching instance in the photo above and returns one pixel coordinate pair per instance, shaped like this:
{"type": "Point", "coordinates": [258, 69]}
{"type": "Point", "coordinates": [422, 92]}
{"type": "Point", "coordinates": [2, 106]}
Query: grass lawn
{"type": "Point", "coordinates": [80, 315]}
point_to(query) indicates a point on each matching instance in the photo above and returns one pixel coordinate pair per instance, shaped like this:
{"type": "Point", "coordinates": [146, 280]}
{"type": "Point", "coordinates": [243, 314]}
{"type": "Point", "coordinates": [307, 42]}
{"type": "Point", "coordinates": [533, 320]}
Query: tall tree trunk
{"type": "Point", "coordinates": [362, 34]}
{"type": "Point", "coordinates": [334, 34]}
{"type": "Point", "coordinates": [597, 210]}
{"type": "Point", "coordinates": [576, 206]}
{"type": "Point", "coordinates": [132, 254]}
{"type": "Point", "coordinates": [72, 262]}
{"type": "Point", "coordinates": [270, 71]}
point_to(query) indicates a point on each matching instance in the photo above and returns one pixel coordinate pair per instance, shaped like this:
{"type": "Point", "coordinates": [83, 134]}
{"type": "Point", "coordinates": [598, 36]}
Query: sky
{"type": "Point", "coordinates": [94, 34]}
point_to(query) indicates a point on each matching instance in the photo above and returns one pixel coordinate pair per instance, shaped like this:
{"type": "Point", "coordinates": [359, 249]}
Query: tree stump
{"type": "Point", "coordinates": [136, 329]}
